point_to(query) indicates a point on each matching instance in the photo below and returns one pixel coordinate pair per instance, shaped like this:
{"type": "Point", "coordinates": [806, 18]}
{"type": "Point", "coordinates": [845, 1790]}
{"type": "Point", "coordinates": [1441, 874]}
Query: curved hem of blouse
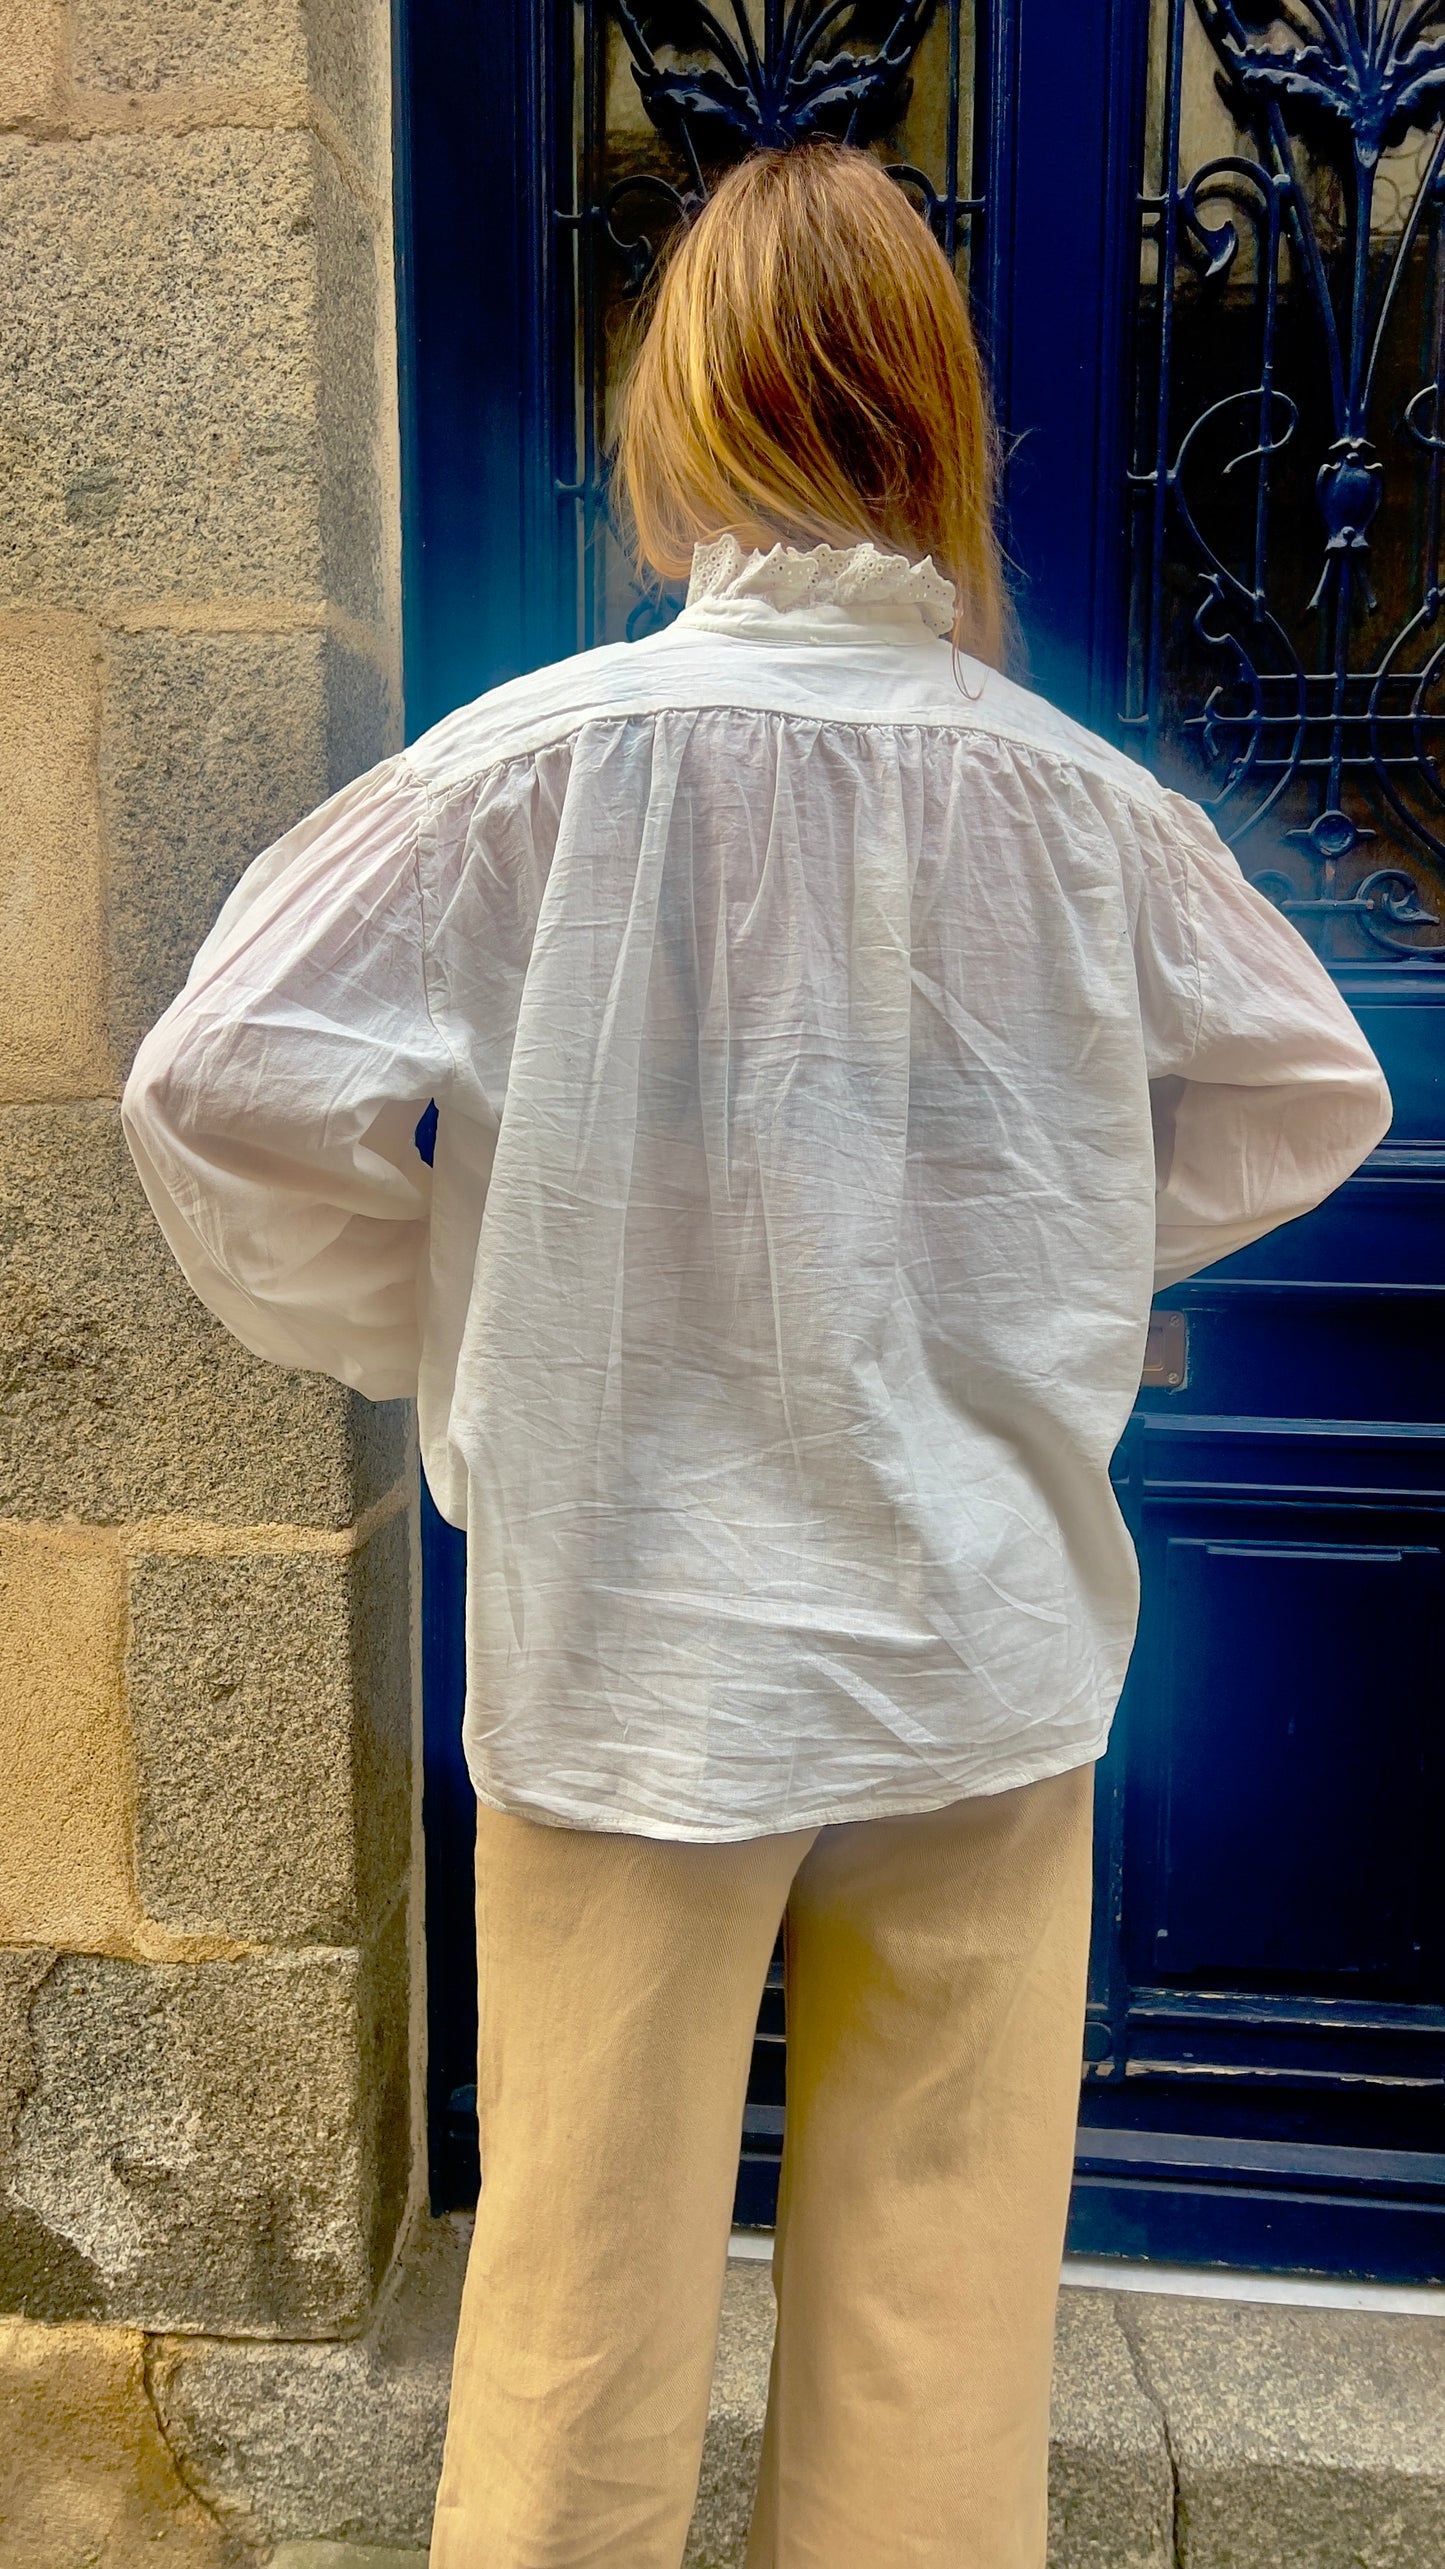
{"type": "Point", "coordinates": [1006, 1779]}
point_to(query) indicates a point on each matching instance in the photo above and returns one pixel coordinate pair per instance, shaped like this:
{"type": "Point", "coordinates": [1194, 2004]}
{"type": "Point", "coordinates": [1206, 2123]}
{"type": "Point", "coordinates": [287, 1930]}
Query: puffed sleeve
{"type": "Point", "coordinates": [1264, 1090]}
{"type": "Point", "coordinates": [271, 1112]}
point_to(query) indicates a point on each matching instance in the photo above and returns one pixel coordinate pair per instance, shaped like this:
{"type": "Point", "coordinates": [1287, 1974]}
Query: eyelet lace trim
{"type": "Point", "coordinates": [860, 575]}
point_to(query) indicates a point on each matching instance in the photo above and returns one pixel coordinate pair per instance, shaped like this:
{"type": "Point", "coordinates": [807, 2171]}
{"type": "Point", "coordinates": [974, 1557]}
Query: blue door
{"type": "Point", "coordinates": [1203, 243]}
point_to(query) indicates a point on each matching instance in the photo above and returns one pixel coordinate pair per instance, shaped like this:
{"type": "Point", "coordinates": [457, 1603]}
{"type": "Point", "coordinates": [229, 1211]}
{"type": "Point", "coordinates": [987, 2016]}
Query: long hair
{"type": "Point", "coordinates": [808, 375]}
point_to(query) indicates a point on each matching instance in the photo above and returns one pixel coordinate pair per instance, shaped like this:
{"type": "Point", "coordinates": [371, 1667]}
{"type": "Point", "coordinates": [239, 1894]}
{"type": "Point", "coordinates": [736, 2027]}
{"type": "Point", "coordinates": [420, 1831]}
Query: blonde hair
{"type": "Point", "coordinates": [809, 374]}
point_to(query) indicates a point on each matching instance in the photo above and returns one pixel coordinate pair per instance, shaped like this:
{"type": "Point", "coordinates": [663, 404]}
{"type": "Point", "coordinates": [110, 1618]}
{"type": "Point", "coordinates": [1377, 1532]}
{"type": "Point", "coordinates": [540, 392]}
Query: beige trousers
{"type": "Point", "coordinates": [935, 1993]}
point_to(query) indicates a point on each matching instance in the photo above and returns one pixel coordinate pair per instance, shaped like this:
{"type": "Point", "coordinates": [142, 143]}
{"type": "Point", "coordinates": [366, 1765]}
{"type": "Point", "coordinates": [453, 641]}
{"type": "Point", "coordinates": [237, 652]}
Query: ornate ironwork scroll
{"type": "Point", "coordinates": [668, 93]}
{"type": "Point", "coordinates": [1288, 617]}
{"type": "Point", "coordinates": [808, 70]}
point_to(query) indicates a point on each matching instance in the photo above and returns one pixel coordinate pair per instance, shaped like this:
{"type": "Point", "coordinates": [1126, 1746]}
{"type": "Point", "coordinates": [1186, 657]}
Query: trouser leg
{"type": "Point", "coordinates": [619, 1986]}
{"type": "Point", "coordinates": [936, 1973]}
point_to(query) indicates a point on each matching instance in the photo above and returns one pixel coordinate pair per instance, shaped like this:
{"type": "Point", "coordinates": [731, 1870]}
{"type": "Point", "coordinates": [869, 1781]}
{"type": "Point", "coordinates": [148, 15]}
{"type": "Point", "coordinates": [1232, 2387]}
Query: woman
{"type": "Point", "coordinates": [834, 1048]}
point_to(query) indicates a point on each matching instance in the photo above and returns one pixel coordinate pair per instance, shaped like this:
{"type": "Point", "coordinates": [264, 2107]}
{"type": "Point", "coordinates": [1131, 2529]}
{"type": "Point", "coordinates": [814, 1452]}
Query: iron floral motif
{"type": "Point", "coordinates": [1364, 61]}
{"type": "Point", "coordinates": [813, 72]}
{"type": "Point", "coordinates": [1353, 78]}
{"type": "Point", "coordinates": [715, 90]}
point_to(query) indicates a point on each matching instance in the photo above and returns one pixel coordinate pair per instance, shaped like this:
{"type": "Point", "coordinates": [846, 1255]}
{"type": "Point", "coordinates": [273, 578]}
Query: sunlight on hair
{"type": "Point", "coordinates": [809, 375]}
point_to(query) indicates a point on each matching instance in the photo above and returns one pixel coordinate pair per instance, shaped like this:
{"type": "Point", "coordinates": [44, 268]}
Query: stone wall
{"type": "Point", "coordinates": [207, 2090]}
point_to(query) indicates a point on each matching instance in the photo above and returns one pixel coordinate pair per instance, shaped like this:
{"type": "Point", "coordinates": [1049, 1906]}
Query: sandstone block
{"type": "Point", "coordinates": [66, 1873]}
{"type": "Point", "coordinates": [348, 53]}
{"type": "Point", "coordinates": [224, 2144]}
{"type": "Point", "coordinates": [337, 48]}
{"type": "Point", "coordinates": [213, 745]}
{"type": "Point", "coordinates": [271, 1705]}
{"type": "Point", "coordinates": [1304, 2439]}
{"type": "Point", "coordinates": [162, 350]}
{"type": "Point", "coordinates": [85, 2474]}
{"type": "Point", "coordinates": [51, 1034]}
{"type": "Point", "coordinates": [120, 1397]}
{"type": "Point", "coordinates": [32, 58]}
{"type": "Point", "coordinates": [146, 45]}
{"type": "Point", "coordinates": [353, 404]}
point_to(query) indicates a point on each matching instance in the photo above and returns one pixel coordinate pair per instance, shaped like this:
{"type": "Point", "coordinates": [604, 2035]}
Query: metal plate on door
{"type": "Point", "coordinates": [1166, 1351]}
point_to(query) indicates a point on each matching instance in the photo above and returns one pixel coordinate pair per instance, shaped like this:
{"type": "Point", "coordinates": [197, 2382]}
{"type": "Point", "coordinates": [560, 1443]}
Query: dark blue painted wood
{"type": "Point", "coordinates": [484, 575]}
{"type": "Point", "coordinates": [1063, 148]}
{"type": "Point", "coordinates": [1272, 1774]}
{"type": "Point", "coordinates": [449, 1832]}
{"type": "Point", "coordinates": [449, 1825]}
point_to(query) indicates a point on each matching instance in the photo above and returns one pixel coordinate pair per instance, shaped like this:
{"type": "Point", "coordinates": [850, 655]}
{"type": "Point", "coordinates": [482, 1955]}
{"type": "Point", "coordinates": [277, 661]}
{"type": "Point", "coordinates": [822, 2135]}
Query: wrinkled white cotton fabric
{"type": "Point", "coordinates": [833, 1051]}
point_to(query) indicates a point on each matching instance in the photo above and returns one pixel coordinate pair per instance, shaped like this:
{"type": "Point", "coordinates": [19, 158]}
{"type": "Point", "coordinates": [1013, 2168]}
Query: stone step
{"type": "Point", "coordinates": [1186, 2434]}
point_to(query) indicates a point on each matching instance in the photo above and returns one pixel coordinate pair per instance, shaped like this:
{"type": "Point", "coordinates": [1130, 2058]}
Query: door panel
{"type": "Point", "coordinates": [1203, 245]}
{"type": "Point", "coordinates": [1253, 1781]}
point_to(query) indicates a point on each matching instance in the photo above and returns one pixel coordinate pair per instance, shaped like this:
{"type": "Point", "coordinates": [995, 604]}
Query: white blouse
{"type": "Point", "coordinates": [833, 1048]}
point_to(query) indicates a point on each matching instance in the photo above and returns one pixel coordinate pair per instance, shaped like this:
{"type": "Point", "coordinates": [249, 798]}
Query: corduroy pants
{"type": "Point", "coordinates": [935, 1993]}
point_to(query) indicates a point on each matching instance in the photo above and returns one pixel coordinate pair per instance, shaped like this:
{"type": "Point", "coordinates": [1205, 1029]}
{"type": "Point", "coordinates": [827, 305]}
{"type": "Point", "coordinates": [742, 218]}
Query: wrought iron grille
{"type": "Point", "coordinates": [1288, 644]}
{"type": "Point", "coordinates": [665, 96]}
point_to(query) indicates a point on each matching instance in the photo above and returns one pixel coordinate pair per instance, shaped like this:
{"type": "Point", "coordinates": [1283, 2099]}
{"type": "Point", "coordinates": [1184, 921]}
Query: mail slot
{"type": "Point", "coordinates": [1166, 1350]}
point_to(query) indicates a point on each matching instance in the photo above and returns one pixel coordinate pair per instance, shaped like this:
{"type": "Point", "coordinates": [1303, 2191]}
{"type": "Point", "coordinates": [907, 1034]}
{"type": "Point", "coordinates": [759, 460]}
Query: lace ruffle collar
{"type": "Point", "coordinates": [855, 577]}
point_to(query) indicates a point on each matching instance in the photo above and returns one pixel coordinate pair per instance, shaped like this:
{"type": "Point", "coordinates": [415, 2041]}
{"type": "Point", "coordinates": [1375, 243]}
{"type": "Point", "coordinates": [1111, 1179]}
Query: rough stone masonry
{"type": "Point", "coordinates": [208, 2092]}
